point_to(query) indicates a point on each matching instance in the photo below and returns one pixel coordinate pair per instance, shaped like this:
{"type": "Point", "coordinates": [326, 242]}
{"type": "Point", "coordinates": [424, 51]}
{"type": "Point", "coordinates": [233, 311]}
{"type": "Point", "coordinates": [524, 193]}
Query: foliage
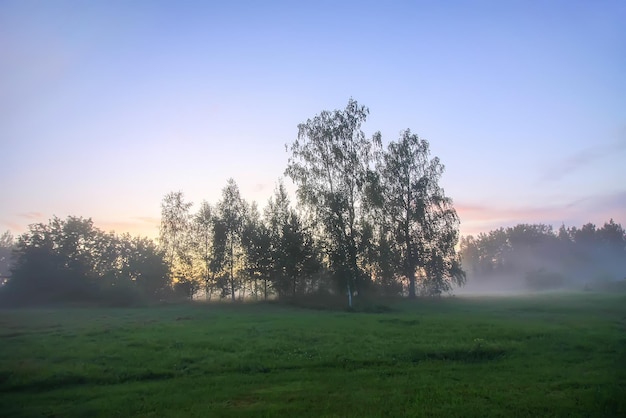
{"type": "Point", "coordinates": [72, 261]}
{"type": "Point", "coordinates": [256, 242]}
{"type": "Point", "coordinates": [176, 240]}
{"type": "Point", "coordinates": [420, 219]}
{"type": "Point", "coordinates": [231, 215]}
{"type": "Point", "coordinates": [203, 232]}
{"type": "Point", "coordinates": [6, 248]}
{"type": "Point", "coordinates": [330, 164]}
{"type": "Point", "coordinates": [295, 258]}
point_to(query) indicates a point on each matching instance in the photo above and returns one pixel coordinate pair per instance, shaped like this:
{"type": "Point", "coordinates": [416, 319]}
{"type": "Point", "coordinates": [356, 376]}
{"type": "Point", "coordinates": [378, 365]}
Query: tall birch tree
{"type": "Point", "coordinates": [231, 214]}
{"type": "Point", "coordinates": [175, 240]}
{"type": "Point", "coordinates": [329, 163]}
{"type": "Point", "coordinates": [422, 219]}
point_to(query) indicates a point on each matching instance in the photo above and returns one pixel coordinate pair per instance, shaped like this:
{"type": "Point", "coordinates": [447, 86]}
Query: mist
{"type": "Point", "coordinates": [535, 258]}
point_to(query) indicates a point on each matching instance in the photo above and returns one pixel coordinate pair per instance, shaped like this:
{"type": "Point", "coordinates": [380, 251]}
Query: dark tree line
{"type": "Point", "coordinates": [371, 220]}
{"type": "Point", "coordinates": [6, 248]}
{"type": "Point", "coordinates": [539, 257]}
{"type": "Point", "coordinates": [71, 260]}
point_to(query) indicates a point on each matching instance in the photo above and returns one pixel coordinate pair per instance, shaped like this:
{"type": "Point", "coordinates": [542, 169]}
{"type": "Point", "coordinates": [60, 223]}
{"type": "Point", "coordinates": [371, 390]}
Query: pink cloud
{"type": "Point", "coordinates": [33, 216]}
{"type": "Point", "coordinates": [15, 228]}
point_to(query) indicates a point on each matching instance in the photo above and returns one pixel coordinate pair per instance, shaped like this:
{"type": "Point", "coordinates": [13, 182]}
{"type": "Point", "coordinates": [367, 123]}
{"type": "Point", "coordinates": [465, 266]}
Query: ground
{"type": "Point", "coordinates": [547, 355]}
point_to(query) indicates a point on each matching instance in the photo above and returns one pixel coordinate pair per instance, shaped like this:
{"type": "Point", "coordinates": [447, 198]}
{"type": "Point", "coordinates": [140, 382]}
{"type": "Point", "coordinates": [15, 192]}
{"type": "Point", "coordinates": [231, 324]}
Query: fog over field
{"type": "Point", "coordinates": [531, 258]}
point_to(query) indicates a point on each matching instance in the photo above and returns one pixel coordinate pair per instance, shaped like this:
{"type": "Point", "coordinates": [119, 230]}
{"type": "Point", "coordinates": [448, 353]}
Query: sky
{"type": "Point", "coordinates": [106, 106]}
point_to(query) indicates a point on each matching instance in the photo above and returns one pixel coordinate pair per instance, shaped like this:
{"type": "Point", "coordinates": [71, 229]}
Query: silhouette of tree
{"type": "Point", "coordinates": [330, 163]}
{"type": "Point", "coordinates": [6, 249]}
{"type": "Point", "coordinates": [203, 228]}
{"type": "Point", "coordinates": [256, 242]}
{"type": "Point", "coordinates": [422, 220]}
{"type": "Point", "coordinates": [231, 212]}
{"type": "Point", "coordinates": [175, 238]}
{"type": "Point", "coordinates": [295, 257]}
{"type": "Point", "coordinates": [71, 260]}
{"type": "Point", "coordinates": [143, 264]}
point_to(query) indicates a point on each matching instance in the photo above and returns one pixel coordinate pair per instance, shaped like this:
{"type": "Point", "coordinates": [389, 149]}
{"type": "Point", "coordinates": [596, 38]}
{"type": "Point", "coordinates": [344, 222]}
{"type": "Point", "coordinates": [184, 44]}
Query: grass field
{"type": "Point", "coordinates": [551, 355]}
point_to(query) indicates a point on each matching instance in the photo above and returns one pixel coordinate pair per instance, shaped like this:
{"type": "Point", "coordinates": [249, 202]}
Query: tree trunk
{"type": "Point", "coordinates": [232, 279]}
{"type": "Point", "coordinates": [349, 296]}
{"type": "Point", "coordinates": [411, 272]}
{"type": "Point", "coordinates": [412, 286]}
{"type": "Point", "coordinates": [410, 267]}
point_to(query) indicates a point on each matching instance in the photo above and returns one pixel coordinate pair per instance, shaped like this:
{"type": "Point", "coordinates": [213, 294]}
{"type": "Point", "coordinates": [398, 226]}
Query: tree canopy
{"type": "Point", "coordinates": [72, 261]}
{"type": "Point", "coordinates": [382, 215]}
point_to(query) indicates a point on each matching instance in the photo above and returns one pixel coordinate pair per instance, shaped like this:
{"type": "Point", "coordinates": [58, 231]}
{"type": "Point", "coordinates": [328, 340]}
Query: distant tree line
{"type": "Point", "coordinates": [538, 257]}
{"type": "Point", "coordinates": [72, 261]}
{"type": "Point", "coordinates": [6, 249]}
{"type": "Point", "coordinates": [370, 221]}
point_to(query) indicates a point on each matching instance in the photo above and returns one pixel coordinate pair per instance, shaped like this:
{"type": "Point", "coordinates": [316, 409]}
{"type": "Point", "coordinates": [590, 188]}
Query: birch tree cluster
{"type": "Point", "coordinates": [370, 220]}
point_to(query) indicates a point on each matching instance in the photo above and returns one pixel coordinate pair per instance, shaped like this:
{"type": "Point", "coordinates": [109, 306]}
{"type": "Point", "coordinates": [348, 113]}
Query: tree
{"type": "Point", "coordinates": [256, 242]}
{"type": "Point", "coordinates": [71, 260]}
{"type": "Point", "coordinates": [470, 255]}
{"type": "Point", "coordinates": [294, 255]}
{"type": "Point", "coordinates": [422, 220]}
{"type": "Point", "coordinates": [142, 264]}
{"type": "Point", "coordinates": [219, 256]}
{"type": "Point", "coordinates": [174, 224]}
{"type": "Point", "coordinates": [36, 275]}
{"type": "Point", "coordinates": [387, 261]}
{"type": "Point", "coordinates": [277, 211]}
{"type": "Point", "coordinates": [175, 240]}
{"type": "Point", "coordinates": [611, 240]}
{"type": "Point", "coordinates": [6, 248]}
{"type": "Point", "coordinates": [297, 258]}
{"type": "Point", "coordinates": [330, 161]}
{"type": "Point", "coordinates": [203, 231]}
{"type": "Point", "coordinates": [231, 212]}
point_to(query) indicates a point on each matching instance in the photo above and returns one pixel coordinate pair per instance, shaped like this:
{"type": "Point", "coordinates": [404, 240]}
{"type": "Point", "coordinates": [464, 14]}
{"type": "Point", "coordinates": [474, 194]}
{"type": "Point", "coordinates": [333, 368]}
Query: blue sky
{"type": "Point", "coordinates": [105, 106]}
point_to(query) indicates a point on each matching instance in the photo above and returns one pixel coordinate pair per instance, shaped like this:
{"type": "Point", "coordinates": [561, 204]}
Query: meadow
{"type": "Point", "coordinates": [546, 355]}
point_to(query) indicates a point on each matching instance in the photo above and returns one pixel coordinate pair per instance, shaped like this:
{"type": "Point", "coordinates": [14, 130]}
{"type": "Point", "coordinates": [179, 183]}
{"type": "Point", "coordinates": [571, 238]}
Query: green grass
{"type": "Point", "coordinates": [552, 355]}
